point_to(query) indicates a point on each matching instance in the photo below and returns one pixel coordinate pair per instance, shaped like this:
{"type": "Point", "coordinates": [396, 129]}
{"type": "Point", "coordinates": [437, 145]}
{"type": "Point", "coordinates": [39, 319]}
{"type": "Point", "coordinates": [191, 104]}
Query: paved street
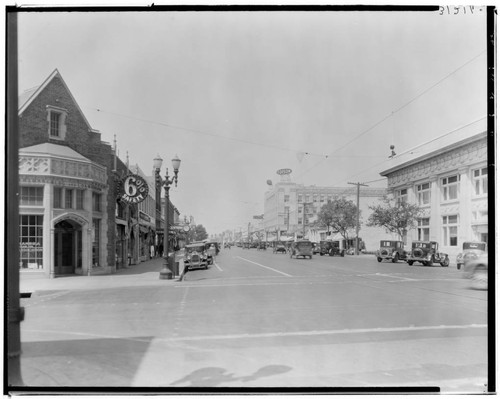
{"type": "Point", "coordinates": [258, 319]}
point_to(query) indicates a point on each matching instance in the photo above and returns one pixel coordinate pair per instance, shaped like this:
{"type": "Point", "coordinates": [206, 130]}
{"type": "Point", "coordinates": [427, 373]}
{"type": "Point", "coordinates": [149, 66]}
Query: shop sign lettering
{"type": "Point", "coordinates": [135, 189]}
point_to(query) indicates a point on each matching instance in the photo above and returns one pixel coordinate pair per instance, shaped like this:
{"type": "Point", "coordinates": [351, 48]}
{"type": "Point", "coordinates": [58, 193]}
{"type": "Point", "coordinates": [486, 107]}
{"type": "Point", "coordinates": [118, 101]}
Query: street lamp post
{"type": "Point", "coordinates": [166, 273]}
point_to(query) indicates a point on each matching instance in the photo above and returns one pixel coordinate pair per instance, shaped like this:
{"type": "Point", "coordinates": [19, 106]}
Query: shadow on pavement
{"type": "Point", "coordinates": [216, 376]}
{"type": "Point", "coordinates": [84, 363]}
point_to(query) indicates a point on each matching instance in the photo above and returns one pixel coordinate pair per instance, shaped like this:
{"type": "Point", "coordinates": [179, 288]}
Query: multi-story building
{"type": "Point", "coordinates": [291, 209]}
{"type": "Point", "coordinates": [71, 221]}
{"type": "Point", "coordinates": [448, 179]}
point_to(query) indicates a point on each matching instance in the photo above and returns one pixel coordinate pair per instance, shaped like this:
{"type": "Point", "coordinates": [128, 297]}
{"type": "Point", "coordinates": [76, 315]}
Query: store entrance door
{"type": "Point", "coordinates": [67, 247]}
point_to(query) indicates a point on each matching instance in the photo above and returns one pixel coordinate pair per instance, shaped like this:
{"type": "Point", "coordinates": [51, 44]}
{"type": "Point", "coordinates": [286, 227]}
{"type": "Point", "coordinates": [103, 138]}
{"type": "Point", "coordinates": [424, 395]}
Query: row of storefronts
{"type": "Point", "coordinates": [72, 218]}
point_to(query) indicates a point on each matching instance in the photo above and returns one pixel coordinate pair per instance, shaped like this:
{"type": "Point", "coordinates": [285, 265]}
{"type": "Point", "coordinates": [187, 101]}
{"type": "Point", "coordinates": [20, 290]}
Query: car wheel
{"type": "Point", "coordinates": [395, 259]}
{"type": "Point", "coordinates": [321, 254]}
{"type": "Point", "coordinates": [480, 278]}
{"type": "Point", "coordinates": [330, 252]}
{"type": "Point", "coordinates": [459, 265]}
{"type": "Point", "coordinates": [379, 260]}
{"type": "Point", "coordinates": [445, 263]}
{"type": "Point", "coordinates": [410, 263]}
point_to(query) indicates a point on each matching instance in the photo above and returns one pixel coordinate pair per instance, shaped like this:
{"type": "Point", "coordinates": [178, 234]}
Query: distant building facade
{"type": "Point", "coordinates": [449, 181]}
{"type": "Point", "coordinates": [291, 210]}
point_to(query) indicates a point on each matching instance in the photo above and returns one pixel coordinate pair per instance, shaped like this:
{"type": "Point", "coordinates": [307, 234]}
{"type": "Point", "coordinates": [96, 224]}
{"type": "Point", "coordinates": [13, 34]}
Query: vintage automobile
{"type": "Point", "coordinates": [195, 256]}
{"type": "Point", "coordinates": [470, 250]}
{"type": "Point", "coordinates": [301, 248]}
{"type": "Point", "coordinates": [393, 250]}
{"type": "Point", "coordinates": [427, 253]}
{"type": "Point", "coordinates": [331, 248]}
{"type": "Point", "coordinates": [262, 245]}
{"type": "Point", "coordinates": [279, 247]}
{"type": "Point", "coordinates": [477, 271]}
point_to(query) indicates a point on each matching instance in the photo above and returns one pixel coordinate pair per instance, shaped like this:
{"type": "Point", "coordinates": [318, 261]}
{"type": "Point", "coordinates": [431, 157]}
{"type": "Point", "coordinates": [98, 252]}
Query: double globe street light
{"type": "Point", "coordinates": [166, 273]}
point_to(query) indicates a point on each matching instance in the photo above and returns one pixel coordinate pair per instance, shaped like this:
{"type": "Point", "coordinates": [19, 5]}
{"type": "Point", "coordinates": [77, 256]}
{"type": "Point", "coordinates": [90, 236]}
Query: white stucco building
{"type": "Point", "coordinates": [448, 179]}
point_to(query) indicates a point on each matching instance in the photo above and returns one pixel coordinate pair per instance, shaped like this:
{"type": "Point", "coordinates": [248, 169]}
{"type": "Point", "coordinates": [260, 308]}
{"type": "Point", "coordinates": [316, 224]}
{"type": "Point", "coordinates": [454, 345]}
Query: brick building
{"type": "Point", "coordinates": [67, 188]}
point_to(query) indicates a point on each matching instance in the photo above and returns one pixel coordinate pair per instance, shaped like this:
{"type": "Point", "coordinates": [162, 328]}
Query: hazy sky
{"type": "Point", "coordinates": [238, 95]}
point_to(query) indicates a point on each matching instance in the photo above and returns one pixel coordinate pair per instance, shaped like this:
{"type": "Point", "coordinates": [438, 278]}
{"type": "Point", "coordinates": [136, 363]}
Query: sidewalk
{"type": "Point", "coordinates": [144, 273]}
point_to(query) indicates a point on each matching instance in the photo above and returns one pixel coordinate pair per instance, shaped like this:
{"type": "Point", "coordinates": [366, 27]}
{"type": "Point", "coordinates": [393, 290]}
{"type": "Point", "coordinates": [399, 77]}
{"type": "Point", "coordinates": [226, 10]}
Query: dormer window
{"type": "Point", "coordinates": [57, 122]}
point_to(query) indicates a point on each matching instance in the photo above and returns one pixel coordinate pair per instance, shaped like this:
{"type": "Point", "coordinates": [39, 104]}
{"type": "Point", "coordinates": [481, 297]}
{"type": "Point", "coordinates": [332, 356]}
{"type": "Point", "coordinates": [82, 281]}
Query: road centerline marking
{"type": "Point", "coordinates": [266, 267]}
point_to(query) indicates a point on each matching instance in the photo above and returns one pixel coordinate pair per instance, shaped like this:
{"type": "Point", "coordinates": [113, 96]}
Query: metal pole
{"type": "Point", "coordinates": [166, 273]}
{"type": "Point", "coordinates": [15, 313]}
{"type": "Point", "coordinates": [357, 210]}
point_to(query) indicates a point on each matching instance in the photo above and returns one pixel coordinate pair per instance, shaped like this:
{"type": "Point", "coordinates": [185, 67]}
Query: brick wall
{"type": "Point", "coordinates": [33, 130]}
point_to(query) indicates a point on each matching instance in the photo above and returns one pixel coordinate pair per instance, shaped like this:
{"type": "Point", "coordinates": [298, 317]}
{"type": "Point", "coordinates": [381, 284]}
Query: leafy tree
{"type": "Point", "coordinates": [395, 216]}
{"type": "Point", "coordinates": [340, 215]}
{"type": "Point", "coordinates": [197, 233]}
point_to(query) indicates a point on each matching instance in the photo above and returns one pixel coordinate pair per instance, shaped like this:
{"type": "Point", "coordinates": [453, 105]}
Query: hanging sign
{"type": "Point", "coordinates": [135, 189]}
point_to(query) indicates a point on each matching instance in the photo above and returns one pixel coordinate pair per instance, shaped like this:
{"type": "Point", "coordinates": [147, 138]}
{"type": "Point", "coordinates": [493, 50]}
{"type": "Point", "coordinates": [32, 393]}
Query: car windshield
{"type": "Point", "coordinates": [195, 248]}
{"type": "Point", "coordinates": [421, 245]}
{"type": "Point", "coordinates": [475, 245]}
{"type": "Point", "coordinates": [304, 244]}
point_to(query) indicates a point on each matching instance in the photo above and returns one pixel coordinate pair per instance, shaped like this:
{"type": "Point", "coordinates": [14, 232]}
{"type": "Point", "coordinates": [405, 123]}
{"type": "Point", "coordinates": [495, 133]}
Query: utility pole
{"type": "Point", "coordinates": [15, 313]}
{"type": "Point", "coordinates": [357, 219]}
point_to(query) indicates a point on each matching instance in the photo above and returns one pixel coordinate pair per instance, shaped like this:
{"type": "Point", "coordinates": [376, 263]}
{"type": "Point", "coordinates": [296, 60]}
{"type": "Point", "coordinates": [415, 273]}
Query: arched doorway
{"type": "Point", "coordinates": [67, 247]}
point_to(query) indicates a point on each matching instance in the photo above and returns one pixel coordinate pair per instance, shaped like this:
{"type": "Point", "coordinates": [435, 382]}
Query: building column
{"type": "Point", "coordinates": [435, 215]}
{"type": "Point", "coordinates": [465, 207]}
{"type": "Point", "coordinates": [48, 233]}
{"type": "Point", "coordinates": [52, 272]}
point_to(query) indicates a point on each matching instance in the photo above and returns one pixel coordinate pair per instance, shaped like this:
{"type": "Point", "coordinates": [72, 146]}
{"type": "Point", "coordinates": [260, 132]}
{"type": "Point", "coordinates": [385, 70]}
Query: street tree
{"type": "Point", "coordinates": [395, 216]}
{"type": "Point", "coordinates": [339, 215]}
{"type": "Point", "coordinates": [197, 233]}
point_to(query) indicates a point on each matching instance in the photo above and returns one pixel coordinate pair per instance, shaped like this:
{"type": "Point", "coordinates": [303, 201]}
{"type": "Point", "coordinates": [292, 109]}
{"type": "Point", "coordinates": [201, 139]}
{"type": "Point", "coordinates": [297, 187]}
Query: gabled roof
{"type": "Point", "coordinates": [56, 150]}
{"type": "Point", "coordinates": [26, 98]}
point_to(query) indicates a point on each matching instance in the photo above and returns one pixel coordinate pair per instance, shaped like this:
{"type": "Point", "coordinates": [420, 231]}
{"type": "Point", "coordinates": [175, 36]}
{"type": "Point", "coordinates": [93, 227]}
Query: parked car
{"type": "Point", "coordinates": [393, 250]}
{"type": "Point", "coordinates": [427, 253]}
{"type": "Point", "coordinates": [262, 245]}
{"type": "Point", "coordinates": [195, 256]}
{"type": "Point", "coordinates": [477, 271]}
{"type": "Point", "coordinates": [331, 248]}
{"type": "Point", "coordinates": [470, 250]}
{"type": "Point", "coordinates": [279, 247]}
{"type": "Point", "coordinates": [301, 248]}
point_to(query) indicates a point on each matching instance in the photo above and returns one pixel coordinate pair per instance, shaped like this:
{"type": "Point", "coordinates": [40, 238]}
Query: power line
{"type": "Point", "coordinates": [153, 122]}
{"type": "Point", "coordinates": [419, 145]}
{"type": "Point", "coordinates": [397, 110]}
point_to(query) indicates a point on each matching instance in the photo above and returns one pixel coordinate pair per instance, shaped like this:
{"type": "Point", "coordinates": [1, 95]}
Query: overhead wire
{"type": "Point", "coordinates": [395, 111]}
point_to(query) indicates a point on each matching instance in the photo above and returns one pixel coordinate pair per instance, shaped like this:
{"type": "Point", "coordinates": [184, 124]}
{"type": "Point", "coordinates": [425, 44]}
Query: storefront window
{"type": "Point", "coordinates": [449, 187]}
{"type": "Point", "coordinates": [423, 229]}
{"type": "Point", "coordinates": [401, 196]}
{"type": "Point", "coordinates": [31, 196]}
{"type": "Point", "coordinates": [31, 241]}
{"type": "Point", "coordinates": [79, 199]}
{"type": "Point", "coordinates": [450, 230]}
{"type": "Point", "coordinates": [424, 194]}
{"type": "Point", "coordinates": [96, 202]}
{"type": "Point", "coordinates": [58, 192]}
{"type": "Point", "coordinates": [480, 181]}
{"type": "Point", "coordinates": [68, 199]}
